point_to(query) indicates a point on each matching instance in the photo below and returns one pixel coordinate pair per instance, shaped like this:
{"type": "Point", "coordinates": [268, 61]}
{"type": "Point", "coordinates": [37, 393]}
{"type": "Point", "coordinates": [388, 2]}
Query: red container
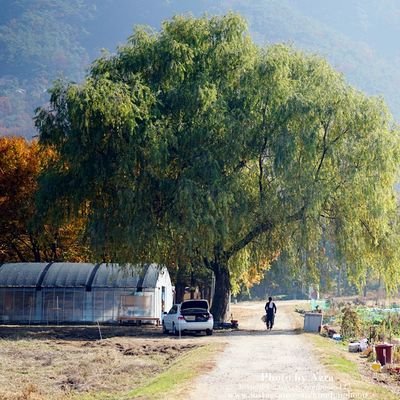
{"type": "Point", "coordinates": [384, 353]}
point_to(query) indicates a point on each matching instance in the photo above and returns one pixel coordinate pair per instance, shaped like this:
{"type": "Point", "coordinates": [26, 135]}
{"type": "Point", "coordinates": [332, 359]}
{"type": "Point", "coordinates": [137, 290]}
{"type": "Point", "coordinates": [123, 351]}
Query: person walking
{"type": "Point", "coordinates": [270, 310]}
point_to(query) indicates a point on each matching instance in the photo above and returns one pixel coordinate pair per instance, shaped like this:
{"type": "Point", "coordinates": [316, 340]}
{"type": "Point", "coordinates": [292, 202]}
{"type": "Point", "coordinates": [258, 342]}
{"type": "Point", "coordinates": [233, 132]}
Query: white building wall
{"type": "Point", "coordinates": [164, 280]}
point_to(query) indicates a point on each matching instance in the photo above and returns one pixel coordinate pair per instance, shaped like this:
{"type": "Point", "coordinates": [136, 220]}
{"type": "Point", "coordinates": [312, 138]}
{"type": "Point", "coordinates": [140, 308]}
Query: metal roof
{"type": "Point", "coordinates": [43, 275]}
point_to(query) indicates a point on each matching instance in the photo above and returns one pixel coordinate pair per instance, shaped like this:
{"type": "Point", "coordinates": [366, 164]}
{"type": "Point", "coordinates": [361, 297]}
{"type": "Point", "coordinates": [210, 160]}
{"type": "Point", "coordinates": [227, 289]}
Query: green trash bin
{"type": "Point", "coordinates": [384, 353]}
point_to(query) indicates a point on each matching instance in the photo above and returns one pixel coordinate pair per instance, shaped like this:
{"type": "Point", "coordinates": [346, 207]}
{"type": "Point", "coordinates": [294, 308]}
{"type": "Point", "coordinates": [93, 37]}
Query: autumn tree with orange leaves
{"type": "Point", "coordinates": [22, 237]}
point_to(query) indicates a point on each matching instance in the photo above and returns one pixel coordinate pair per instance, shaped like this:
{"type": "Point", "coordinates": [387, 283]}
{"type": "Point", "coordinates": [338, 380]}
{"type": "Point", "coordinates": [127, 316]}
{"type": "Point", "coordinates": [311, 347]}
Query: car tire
{"type": "Point", "coordinates": [164, 329]}
{"type": "Point", "coordinates": [209, 332]}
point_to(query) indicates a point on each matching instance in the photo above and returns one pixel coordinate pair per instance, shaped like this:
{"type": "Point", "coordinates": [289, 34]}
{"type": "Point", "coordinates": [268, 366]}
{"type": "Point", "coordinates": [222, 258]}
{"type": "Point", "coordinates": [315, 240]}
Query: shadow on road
{"type": "Point", "coordinates": [259, 332]}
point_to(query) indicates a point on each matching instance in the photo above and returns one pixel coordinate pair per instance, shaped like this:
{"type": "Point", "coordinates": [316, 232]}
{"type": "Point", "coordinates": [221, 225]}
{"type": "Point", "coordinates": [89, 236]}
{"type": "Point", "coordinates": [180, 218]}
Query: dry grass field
{"type": "Point", "coordinates": [66, 363]}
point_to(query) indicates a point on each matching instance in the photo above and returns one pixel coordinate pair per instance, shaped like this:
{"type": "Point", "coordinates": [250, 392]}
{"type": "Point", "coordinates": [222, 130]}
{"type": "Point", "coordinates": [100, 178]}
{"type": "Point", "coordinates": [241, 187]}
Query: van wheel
{"type": "Point", "coordinates": [209, 332]}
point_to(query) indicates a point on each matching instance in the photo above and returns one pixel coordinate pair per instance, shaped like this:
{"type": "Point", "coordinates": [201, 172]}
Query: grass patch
{"type": "Point", "coordinates": [176, 378]}
{"type": "Point", "coordinates": [332, 356]}
{"type": "Point", "coordinates": [344, 366]}
{"type": "Point", "coordinates": [338, 362]}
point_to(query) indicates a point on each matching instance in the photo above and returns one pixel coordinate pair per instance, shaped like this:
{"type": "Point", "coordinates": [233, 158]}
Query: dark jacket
{"type": "Point", "coordinates": [270, 311]}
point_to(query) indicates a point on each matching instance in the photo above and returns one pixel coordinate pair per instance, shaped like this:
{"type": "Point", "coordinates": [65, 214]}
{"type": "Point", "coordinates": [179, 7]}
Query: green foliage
{"type": "Point", "coordinates": [351, 324]}
{"type": "Point", "coordinates": [380, 323]}
{"type": "Point", "coordinates": [196, 144]}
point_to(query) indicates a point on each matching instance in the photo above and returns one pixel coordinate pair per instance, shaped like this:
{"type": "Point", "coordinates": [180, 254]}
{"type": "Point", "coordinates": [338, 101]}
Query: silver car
{"type": "Point", "coordinates": [190, 315]}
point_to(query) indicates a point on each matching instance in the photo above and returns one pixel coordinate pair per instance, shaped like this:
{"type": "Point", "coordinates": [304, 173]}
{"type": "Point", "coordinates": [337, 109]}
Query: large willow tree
{"type": "Point", "coordinates": [194, 144]}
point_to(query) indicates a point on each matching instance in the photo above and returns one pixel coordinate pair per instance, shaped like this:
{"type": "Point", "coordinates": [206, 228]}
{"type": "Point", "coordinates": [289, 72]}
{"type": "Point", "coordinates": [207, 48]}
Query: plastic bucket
{"type": "Point", "coordinates": [384, 353]}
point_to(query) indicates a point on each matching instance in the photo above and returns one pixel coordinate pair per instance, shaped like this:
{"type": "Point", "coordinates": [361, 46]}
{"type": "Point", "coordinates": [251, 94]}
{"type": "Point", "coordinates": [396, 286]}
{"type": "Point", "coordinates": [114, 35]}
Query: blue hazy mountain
{"type": "Point", "coordinates": [41, 40]}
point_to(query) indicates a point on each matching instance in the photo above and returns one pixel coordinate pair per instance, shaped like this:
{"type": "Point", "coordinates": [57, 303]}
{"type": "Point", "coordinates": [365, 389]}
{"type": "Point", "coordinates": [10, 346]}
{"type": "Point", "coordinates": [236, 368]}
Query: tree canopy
{"type": "Point", "coordinates": [22, 237]}
{"type": "Point", "coordinates": [194, 142]}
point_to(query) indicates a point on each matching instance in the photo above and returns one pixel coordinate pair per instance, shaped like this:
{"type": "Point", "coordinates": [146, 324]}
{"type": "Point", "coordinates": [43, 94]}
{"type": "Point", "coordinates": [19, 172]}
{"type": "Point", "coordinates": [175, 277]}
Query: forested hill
{"type": "Point", "coordinates": [41, 40]}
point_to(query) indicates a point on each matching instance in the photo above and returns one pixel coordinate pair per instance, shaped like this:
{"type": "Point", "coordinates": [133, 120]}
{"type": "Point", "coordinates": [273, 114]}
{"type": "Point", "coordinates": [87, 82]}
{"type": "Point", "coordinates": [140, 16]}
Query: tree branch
{"type": "Point", "coordinates": [21, 257]}
{"type": "Point", "coordinates": [327, 216]}
{"type": "Point", "coordinates": [324, 151]}
{"type": "Point", "coordinates": [207, 263]}
{"type": "Point", "coordinates": [260, 166]}
{"type": "Point", "coordinates": [263, 227]}
{"type": "Point", "coordinates": [364, 224]}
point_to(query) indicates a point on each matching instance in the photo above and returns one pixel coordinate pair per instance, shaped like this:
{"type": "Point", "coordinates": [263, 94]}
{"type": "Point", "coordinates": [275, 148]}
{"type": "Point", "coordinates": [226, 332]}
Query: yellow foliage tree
{"type": "Point", "coordinates": [21, 239]}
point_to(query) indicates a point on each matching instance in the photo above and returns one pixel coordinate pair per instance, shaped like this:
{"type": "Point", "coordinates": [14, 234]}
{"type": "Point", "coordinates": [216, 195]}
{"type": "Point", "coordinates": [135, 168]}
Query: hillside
{"type": "Point", "coordinates": [41, 40]}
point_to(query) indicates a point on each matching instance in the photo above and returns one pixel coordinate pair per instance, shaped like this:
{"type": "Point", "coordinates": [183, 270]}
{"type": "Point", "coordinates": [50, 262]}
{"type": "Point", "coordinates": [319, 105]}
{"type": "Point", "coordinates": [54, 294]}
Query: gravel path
{"type": "Point", "coordinates": [276, 365]}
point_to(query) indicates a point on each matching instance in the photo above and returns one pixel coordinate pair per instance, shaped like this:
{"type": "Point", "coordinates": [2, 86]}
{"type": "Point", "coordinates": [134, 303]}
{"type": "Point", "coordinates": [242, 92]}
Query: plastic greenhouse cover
{"type": "Point", "coordinates": [67, 275]}
{"type": "Point", "coordinates": [21, 274]}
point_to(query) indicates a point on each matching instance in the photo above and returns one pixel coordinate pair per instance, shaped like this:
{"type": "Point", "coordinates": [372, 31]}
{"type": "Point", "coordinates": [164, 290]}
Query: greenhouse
{"type": "Point", "coordinates": [43, 293]}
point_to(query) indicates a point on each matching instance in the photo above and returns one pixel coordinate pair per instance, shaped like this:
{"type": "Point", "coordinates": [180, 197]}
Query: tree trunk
{"type": "Point", "coordinates": [338, 281]}
{"type": "Point", "coordinates": [220, 303]}
{"type": "Point", "coordinates": [180, 283]}
{"type": "Point", "coordinates": [192, 285]}
{"type": "Point", "coordinates": [35, 249]}
{"type": "Point", "coordinates": [21, 257]}
{"type": "Point", "coordinates": [179, 292]}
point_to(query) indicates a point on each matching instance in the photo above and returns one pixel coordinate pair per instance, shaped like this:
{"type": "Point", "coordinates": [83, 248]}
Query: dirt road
{"type": "Point", "coordinates": [276, 365]}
